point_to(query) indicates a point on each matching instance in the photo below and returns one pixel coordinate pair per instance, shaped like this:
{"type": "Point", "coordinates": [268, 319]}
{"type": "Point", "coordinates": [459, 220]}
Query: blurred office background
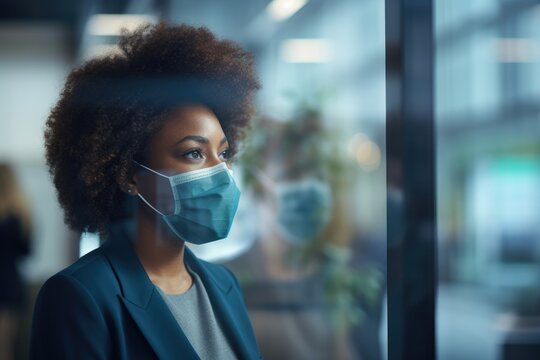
{"type": "Point", "coordinates": [319, 140]}
{"type": "Point", "coordinates": [488, 178]}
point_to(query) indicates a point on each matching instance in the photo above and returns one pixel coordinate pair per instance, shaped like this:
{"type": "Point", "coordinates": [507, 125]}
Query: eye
{"type": "Point", "coordinates": [194, 154]}
{"type": "Point", "coordinates": [225, 155]}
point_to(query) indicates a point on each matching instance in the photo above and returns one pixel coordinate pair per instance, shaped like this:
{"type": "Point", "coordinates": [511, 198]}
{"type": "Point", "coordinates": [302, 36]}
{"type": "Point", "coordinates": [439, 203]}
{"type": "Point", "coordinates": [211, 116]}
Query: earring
{"type": "Point", "coordinates": [129, 190]}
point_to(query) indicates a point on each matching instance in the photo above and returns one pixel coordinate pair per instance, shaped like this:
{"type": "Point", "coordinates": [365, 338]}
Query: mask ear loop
{"type": "Point", "coordinates": [147, 203]}
{"type": "Point", "coordinates": [142, 197]}
{"type": "Point", "coordinates": [147, 168]}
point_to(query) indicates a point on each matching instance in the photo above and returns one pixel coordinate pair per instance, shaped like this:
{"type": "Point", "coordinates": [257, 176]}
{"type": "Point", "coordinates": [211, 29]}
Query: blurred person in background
{"type": "Point", "coordinates": [15, 228]}
{"type": "Point", "coordinates": [139, 146]}
{"type": "Point", "coordinates": [299, 280]}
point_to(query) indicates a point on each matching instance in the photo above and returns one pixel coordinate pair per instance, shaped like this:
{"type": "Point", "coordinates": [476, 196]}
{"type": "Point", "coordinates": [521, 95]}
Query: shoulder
{"type": "Point", "coordinates": [91, 274]}
{"type": "Point", "coordinates": [62, 290]}
{"type": "Point", "coordinates": [68, 294]}
{"type": "Point", "coordinates": [67, 308]}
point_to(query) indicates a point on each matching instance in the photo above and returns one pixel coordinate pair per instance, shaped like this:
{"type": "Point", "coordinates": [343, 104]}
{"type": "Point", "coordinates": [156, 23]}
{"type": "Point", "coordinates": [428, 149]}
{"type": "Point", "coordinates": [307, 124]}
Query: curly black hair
{"type": "Point", "coordinates": [111, 106]}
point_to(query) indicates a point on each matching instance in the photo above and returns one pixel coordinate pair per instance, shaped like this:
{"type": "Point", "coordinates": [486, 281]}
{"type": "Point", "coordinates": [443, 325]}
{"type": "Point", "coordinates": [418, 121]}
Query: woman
{"type": "Point", "coordinates": [15, 227]}
{"type": "Point", "coordinates": [138, 146]}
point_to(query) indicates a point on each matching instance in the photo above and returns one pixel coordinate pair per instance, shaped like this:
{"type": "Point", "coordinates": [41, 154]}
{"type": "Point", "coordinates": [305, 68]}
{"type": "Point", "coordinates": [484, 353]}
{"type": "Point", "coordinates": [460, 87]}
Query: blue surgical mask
{"type": "Point", "coordinates": [205, 202]}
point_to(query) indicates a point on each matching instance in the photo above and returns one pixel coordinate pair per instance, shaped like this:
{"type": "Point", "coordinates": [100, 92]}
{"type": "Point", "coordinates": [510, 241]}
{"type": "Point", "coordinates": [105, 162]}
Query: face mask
{"type": "Point", "coordinates": [205, 202]}
{"type": "Point", "coordinates": [303, 209]}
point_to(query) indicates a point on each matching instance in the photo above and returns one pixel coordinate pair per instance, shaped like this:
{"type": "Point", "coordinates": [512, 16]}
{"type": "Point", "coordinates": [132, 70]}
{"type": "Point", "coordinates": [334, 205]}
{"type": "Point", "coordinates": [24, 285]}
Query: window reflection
{"type": "Point", "coordinates": [306, 286]}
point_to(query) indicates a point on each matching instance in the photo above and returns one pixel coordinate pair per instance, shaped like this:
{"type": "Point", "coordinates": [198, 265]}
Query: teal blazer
{"type": "Point", "coordinates": [104, 306]}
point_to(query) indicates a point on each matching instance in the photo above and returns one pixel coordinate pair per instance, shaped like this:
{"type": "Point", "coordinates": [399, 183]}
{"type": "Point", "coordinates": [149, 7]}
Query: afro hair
{"type": "Point", "coordinates": [111, 106]}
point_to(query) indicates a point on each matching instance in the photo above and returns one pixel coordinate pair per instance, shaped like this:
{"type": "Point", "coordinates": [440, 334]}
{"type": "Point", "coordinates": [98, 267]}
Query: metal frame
{"type": "Point", "coordinates": [410, 145]}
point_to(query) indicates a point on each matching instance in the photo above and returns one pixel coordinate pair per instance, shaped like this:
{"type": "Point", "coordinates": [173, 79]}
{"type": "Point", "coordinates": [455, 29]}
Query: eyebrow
{"type": "Point", "coordinates": [199, 139]}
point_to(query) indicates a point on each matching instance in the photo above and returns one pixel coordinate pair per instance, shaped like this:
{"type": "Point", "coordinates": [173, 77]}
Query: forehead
{"type": "Point", "coordinates": [189, 120]}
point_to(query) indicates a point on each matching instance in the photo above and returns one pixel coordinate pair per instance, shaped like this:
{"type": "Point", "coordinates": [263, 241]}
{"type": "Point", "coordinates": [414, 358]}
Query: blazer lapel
{"type": "Point", "coordinates": [225, 304]}
{"type": "Point", "coordinates": [142, 300]}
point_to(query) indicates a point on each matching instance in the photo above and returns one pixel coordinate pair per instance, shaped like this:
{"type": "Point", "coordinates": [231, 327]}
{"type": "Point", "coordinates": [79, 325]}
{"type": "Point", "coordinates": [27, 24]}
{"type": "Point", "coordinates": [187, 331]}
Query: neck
{"type": "Point", "coordinates": [161, 253]}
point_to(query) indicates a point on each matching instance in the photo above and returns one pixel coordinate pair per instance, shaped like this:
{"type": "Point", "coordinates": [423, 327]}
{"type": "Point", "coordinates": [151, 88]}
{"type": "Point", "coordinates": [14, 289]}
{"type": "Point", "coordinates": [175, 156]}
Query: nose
{"type": "Point", "coordinates": [213, 160]}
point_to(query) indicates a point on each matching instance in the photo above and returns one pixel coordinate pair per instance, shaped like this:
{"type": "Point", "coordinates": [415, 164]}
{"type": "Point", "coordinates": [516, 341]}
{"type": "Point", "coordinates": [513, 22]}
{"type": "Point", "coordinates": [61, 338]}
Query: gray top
{"type": "Point", "coordinates": [193, 312]}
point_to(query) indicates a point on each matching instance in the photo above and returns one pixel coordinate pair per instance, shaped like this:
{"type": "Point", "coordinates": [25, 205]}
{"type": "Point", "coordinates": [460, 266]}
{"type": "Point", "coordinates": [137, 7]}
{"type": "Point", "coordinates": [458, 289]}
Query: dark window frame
{"type": "Point", "coordinates": [411, 197]}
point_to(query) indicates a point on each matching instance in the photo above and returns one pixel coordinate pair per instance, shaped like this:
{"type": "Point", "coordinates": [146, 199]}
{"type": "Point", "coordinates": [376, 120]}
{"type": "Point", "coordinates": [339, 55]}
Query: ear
{"type": "Point", "coordinates": [129, 185]}
{"type": "Point", "coordinates": [129, 188]}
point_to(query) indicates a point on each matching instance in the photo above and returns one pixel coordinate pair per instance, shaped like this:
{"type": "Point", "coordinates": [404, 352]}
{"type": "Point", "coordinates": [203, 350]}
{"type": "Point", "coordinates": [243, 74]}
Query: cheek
{"type": "Point", "coordinates": [157, 191]}
{"type": "Point", "coordinates": [164, 196]}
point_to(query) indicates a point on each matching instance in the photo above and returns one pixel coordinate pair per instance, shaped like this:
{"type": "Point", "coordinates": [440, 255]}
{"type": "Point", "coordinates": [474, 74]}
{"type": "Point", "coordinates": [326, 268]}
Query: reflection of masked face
{"type": "Point", "coordinates": [303, 209]}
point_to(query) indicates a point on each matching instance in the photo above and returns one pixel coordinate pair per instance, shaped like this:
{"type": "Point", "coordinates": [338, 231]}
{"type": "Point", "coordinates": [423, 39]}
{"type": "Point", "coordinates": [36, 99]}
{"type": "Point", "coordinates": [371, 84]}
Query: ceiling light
{"type": "Point", "coordinates": [280, 10]}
